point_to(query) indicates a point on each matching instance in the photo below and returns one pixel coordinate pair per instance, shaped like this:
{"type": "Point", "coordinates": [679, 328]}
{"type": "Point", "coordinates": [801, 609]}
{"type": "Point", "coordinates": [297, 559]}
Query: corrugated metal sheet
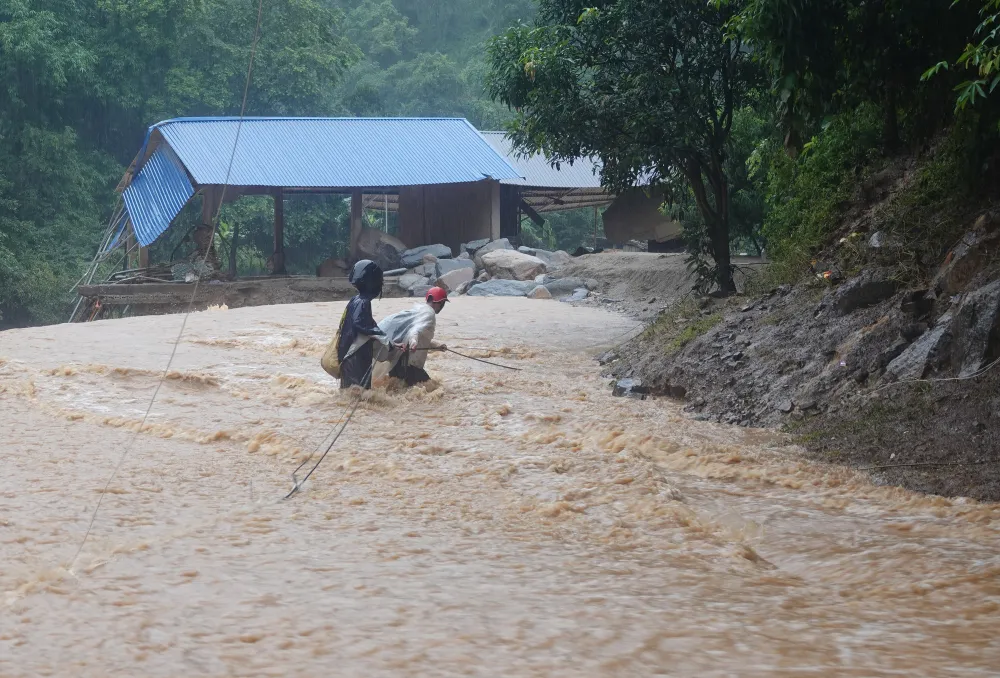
{"type": "Point", "coordinates": [536, 171]}
{"type": "Point", "coordinates": [334, 152]}
{"type": "Point", "coordinates": [156, 195]}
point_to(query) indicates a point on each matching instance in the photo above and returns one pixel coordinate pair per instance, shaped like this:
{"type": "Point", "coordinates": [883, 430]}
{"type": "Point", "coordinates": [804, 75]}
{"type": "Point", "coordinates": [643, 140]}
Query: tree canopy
{"type": "Point", "coordinates": [651, 87]}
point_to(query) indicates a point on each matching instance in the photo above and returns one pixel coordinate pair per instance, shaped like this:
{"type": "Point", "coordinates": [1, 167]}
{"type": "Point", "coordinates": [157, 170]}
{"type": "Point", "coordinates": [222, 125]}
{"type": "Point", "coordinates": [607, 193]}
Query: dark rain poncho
{"type": "Point", "coordinates": [355, 350]}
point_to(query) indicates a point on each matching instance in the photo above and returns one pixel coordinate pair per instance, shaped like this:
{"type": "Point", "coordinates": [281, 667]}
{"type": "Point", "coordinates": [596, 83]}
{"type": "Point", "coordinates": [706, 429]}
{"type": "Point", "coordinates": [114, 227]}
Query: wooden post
{"type": "Point", "coordinates": [143, 257]}
{"type": "Point", "coordinates": [278, 260]}
{"type": "Point", "coordinates": [355, 223]}
{"type": "Point", "coordinates": [595, 227]}
{"type": "Point", "coordinates": [234, 238]}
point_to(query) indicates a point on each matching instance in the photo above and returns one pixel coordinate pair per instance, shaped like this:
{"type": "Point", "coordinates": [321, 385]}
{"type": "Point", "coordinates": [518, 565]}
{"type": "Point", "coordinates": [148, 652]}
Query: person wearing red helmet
{"type": "Point", "coordinates": [414, 330]}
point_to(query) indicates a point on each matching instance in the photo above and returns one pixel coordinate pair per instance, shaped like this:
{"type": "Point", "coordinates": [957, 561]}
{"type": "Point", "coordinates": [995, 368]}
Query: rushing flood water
{"type": "Point", "coordinates": [501, 524]}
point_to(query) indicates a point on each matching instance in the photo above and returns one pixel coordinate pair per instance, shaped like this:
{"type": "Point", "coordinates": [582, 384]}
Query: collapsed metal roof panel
{"type": "Point", "coordinates": [156, 195]}
{"type": "Point", "coordinates": [536, 170]}
{"type": "Point", "coordinates": [333, 152]}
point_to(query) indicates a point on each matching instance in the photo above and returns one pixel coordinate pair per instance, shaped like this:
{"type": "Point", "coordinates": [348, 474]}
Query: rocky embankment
{"type": "Point", "coordinates": [868, 371]}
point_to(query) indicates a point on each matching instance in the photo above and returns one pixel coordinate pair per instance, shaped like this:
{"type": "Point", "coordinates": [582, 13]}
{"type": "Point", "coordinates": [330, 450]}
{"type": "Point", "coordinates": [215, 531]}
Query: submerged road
{"type": "Point", "coordinates": [497, 524]}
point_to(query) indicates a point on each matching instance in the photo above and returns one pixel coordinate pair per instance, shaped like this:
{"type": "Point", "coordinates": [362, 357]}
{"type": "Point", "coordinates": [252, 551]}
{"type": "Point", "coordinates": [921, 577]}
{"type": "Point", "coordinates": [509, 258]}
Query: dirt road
{"type": "Point", "coordinates": [503, 524]}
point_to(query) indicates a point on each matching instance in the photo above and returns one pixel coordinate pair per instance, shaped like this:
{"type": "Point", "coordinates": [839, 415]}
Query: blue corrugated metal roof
{"type": "Point", "coordinates": [156, 195]}
{"type": "Point", "coordinates": [334, 152]}
{"type": "Point", "coordinates": [536, 171]}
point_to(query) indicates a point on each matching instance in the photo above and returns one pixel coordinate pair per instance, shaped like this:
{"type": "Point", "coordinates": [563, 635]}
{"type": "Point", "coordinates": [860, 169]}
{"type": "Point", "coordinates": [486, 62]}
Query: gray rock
{"type": "Point", "coordinates": [447, 265]}
{"type": "Point", "coordinates": [928, 349]}
{"type": "Point", "coordinates": [893, 352]}
{"type": "Point", "coordinates": [464, 256]}
{"type": "Point", "coordinates": [502, 288]}
{"type": "Point", "coordinates": [786, 406]}
{"type": "Point", "coordinates": [471, 248]}
{"type": "Point", "coordinates": [530, 251]}
{"type": "Point", "coordinates": [415, 256]}
{"type": "Point", "coordinates": [453, 279]}
{"type": "Point", "coordinates": [579, 294]}
{"type": "Point", "coordinates": [878, 240]}
{"type": "Point", "coordinates": [544, 279]}
{"type": "Point", "coordinates": [512, 265]}
{"type": "Point", "coordinates": [867, 289]}
{"type": "Point", "coordinates": [539, 293]}
{"type": "Point", "coordinates": [554, 260]}
{"type": "Point", "coordinates": [976, 329]}
{"type": "Point", "coordinates": [964, 261]}
{"type": "Point", "coordinates": [563, 286]}
{"type": "Point", "coordinates": [382, 248]}
{"type": "Point", "coordinates": [465, 287]}
{"type": "Point", "coordinates": [410, 279]}
{"type": "Point", "coordinates": [482, 277]}
{"type": "Point", "coordinates": [631, 388]}
{"type": "Point", "coordinates": [420, 291]}
{"type": "Point", "coordinates": [501, 244]}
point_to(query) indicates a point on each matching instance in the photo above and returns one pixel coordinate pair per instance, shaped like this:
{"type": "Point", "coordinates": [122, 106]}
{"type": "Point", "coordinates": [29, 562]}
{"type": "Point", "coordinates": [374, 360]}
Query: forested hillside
{"type": "Point", "coordinates": [83, 79]}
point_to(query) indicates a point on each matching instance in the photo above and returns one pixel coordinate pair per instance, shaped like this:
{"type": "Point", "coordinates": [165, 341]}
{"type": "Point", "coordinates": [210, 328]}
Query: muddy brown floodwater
{"type": "Point", "coordinates": [502, 524]}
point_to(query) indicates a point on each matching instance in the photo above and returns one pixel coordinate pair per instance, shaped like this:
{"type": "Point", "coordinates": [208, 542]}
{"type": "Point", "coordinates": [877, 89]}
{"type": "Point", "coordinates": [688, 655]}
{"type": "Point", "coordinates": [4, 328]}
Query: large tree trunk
{"type": "Point", "coordinates": [716, 218]}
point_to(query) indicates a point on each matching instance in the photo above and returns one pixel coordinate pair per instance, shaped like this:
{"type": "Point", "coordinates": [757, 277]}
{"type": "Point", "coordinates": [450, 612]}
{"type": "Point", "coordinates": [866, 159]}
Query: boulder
{"type": "Point", "coordinates": [867, 289]}
{"type": "Point", "coordinates": [966, 259]}
{"type": "Point", "coordinates": [424, 269]}
{"type": "Point", "coordinates": [447, 265]}
{"type": "Point", "coordinates": [420, 291]}
{"type": "Point", "coordinates": [502, 288]}
{"type": "Point", "coordinates": [976, 330]}
{"type": "Point", "coordinates": [471, 248]}
{"type": "Point", "coordinates": [578, 295]}
{"type": "Point", "coordinates": [464, 256]}
{"type": "Point", "coordinates": [482, 277]}
{"type": "Point", "coordinates": [410, 279]}
{"type": "Point", "coordinates": [530, 251]}
{"type": "Point", "coordinates": [465, 287]}
{"type": "Point", "coordinates": [630, 388]}
{"type": "Point", "coordinates": [563, 286]}
{"type": "Point", "coordinates": [539, 293]}
{"type": "Point", "coordinates": [501, 244]}
{"type": "Point", "coordinates": [921, 354]}
{"type": "Point", "coordinates": [415, 256]}
{"type": "Point", "coordinates": [382, 248]}
{"type": "Point", "coordinates": [512, 265]}
{"type": "Point", "coordinates": [453, 279]}
{"type": "Point", "coordinates": [332, 268]}
{"type": "Point", "coordinates": [554, 260]}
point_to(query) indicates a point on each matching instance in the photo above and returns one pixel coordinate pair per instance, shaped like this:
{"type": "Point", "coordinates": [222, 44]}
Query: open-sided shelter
{"type": "Point", "coordinates": [442, 171]}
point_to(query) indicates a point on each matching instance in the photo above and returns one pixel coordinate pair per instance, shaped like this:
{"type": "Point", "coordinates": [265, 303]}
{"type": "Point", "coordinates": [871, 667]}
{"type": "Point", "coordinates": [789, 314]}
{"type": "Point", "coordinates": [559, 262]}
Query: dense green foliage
{"type": "Point", "coordinates": [648, 86]}
{"type": "Point", "coordinates": [83, 79]}
{"type": "Point", "coordinates": [759, 118]}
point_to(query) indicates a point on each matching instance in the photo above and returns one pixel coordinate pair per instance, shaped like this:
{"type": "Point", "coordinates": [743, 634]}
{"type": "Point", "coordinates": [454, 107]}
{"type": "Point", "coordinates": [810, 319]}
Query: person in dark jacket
{"type": "Point", "coordinates": [355, 349]}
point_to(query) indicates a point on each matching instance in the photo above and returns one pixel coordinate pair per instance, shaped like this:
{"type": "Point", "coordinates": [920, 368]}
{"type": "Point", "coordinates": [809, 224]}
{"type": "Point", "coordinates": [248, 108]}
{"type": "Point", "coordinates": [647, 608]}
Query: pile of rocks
{"type": "Point", "coordinates": [490, 268]}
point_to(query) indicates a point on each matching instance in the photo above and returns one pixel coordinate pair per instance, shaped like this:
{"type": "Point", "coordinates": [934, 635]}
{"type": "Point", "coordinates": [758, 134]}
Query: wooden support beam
{"type": "Point", "coordinates": [532, 214]}
{"type": "Point", "coordinates": [356, 208]}
{"type": "Point", "coordinates": [143, 257]}
{"type": "Point", "coordinates": [278, 259]}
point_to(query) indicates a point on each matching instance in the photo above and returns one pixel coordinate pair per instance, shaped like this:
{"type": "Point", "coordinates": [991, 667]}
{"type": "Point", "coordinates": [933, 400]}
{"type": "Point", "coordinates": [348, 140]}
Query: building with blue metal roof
{"type": "Point", "coordinates": [185, 157]}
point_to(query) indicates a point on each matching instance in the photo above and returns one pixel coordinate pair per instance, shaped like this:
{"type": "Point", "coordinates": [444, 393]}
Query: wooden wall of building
{"type": "Point", "coordinates": [450, 214]}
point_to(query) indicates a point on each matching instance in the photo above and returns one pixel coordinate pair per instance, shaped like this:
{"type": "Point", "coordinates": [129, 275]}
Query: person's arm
{"type": "Point", "coordinates": [363, 321]}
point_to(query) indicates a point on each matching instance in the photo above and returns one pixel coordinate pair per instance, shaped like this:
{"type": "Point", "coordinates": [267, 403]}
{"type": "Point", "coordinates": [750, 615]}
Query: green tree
{"type": "Point", "coordinates": [649, 86]}
{"type": "Point", "coordinates": [828, 56]}
{"type": "Point", "coordinates": [83, 80]}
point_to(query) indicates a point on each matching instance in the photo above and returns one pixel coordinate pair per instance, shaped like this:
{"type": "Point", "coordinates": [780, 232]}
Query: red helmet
{"type": "Point", "coordinates": [437, 294]}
